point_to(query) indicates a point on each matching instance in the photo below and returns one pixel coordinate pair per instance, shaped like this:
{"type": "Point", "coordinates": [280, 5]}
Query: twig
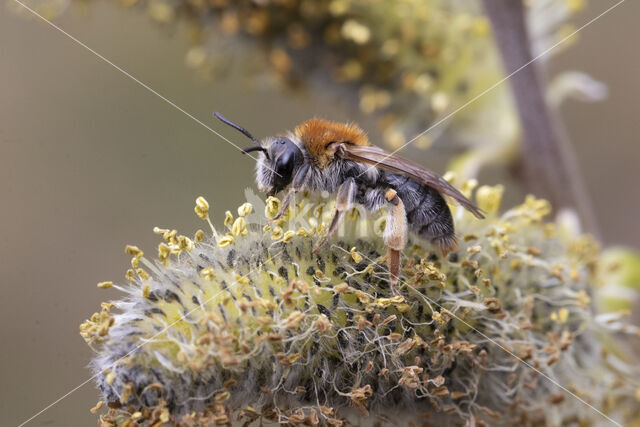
{"type": "Point", "coordinates": [550, 169]}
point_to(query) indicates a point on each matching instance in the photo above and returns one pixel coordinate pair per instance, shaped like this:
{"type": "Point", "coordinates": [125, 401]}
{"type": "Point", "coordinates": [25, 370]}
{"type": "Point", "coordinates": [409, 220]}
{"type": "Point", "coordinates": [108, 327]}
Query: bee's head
{"type": "Point", "coordinates": [278, 161]}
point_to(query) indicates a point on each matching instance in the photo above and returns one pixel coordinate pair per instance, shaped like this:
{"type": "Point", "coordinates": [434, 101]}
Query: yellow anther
{"type": "Point", "coordinates": [207, 273]}
{"type": "Point", "coordinates": [277, 233]}
{"type": "Point", "coordinates": [146, 291]}
{"type": "Point", "coordinates": [202, 208]}
{"type": "Point", "coordinates": [133, 251]}
{"type": "Point", "coordinates": [272, 207]}
{"type": "Point", "coordinates": [185, 243]}
{"type": "Point", "coordinates": [163, 252]}
{"type": "Point", "coordinates": [288, 236]}
{"type": "Point", "coordinates": [385, 302]}
{"type": "Point", "coordinates": [239, 227]}
{"type": "Point", "coordinates": [105, 285]}
{"type": "Point", "coordinates": [160, 231]}
{"type": "Point", "coordinates": [225, 241]}
{"type": "Point", "coordinates": [563, 315]}
{"type": "Point", "coordinates": [489, 197]}
{"type": "Point", "coordinates": [199, 236]}
{"type": "Point", "coordinates": [245, 209]}
{"type": "Point", "coordinates": [228, 219]}
{"type": "Point", "coordinates": [474, 249]}
{"type": "Point", "coordinates": [355, 255]}
{"type": "Point", "coordinates": [242, 280]}
{"type": "Point", "coordinates": [110, 378]}
{"type": "Point", "coordinates": [144, 276]}
{"type": "Point", "coordinates": [302, 232]}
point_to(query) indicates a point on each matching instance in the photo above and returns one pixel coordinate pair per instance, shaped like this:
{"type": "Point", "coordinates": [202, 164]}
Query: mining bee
{"type": "Point", "coordinates": [321, 155]}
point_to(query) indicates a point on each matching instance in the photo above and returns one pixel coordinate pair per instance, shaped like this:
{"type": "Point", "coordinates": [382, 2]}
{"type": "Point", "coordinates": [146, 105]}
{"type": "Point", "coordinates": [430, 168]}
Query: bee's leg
{"type": "Point", "coordinates": [395, 236]}
{"type": "Point", "coordinates": [296, 185]}
{"type": "Point", "coordinates": [344, 202]}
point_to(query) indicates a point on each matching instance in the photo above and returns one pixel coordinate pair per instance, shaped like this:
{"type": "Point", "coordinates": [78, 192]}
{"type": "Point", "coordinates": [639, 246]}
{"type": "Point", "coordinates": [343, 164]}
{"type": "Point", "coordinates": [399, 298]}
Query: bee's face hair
{"type": "Point", "coordinates": [278, 164]}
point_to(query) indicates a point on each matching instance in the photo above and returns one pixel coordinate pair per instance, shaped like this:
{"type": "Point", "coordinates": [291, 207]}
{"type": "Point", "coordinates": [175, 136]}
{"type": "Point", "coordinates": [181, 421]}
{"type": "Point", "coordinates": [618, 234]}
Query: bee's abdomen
{"type": "Point", "coordinates": [428, 214]}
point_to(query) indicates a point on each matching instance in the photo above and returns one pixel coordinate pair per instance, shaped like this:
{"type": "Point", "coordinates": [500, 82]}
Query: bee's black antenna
{"type": "Point", "coordinates": [245, 132]}
{"type": "Point", "coordinates": [237, 127]}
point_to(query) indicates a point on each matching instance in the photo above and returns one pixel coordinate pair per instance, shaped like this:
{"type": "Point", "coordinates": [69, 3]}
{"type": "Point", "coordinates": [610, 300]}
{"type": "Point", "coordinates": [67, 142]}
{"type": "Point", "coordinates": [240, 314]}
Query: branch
{"type": "Point", "coordinates": [550, 169]}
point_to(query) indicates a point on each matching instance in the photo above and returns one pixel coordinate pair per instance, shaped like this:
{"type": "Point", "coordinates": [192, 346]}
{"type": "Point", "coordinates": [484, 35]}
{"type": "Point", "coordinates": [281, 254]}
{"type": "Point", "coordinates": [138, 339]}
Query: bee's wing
{"type": "Point", "coordinates": [380, 158]}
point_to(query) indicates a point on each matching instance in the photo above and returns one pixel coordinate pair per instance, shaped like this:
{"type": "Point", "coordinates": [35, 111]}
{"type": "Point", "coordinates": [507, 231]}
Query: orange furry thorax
{"type": "Point", "coordinates": [317, 134]}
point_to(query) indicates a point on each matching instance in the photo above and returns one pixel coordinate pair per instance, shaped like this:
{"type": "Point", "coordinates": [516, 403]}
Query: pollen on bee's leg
{"type": "Point", "coordinates": [392, 196]}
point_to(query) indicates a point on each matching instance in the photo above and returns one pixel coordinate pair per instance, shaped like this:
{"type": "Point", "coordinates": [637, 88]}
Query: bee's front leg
{"type": "Point", "coordinates": [344, 202]}
{"type": "Point", "coordinates": [395, 236]}
{"type": "Point", "coordinates": [296, 185]}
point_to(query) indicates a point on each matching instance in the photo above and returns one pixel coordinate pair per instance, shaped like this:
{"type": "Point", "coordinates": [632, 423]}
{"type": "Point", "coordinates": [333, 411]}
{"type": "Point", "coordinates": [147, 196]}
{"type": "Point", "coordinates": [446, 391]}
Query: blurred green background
{"type": "Point", "coordinates": [91, 161]}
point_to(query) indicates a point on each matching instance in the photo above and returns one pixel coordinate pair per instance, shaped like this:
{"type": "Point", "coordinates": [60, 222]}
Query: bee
{"type": "Point", "coordinates": [320, 155]}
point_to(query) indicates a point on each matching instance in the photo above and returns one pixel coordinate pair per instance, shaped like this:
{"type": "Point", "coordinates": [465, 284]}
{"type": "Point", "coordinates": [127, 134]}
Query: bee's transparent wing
{"type": "Point", "coordinates": [380, 158]}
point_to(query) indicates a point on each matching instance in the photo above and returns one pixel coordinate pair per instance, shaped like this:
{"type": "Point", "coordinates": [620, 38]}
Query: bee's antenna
{"type": "Point", "coordinates": [245, 132]}
{"type": "Point", "coordinates": [254, 148]}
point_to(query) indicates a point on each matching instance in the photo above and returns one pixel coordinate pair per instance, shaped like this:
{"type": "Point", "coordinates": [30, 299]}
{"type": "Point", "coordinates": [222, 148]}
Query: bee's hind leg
{"type": "Point", "coordinates": [395, 236]}
{"type": "Point", "coordinates": [344, 202]}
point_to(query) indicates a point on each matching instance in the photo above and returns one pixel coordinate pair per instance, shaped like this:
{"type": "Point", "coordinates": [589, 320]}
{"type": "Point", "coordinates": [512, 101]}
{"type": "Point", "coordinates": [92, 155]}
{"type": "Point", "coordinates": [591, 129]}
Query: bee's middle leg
{"type": "Point", "coordinates": [344, 202]}
{"type": "Point", "coordinates": [395, 236]}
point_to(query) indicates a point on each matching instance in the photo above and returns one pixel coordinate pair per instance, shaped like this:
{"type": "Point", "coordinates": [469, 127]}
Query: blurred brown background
{"type": "Point", "coordinates": [91, 161]}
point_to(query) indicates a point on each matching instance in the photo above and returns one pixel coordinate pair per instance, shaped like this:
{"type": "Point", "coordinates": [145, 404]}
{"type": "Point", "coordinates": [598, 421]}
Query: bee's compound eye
{"type": "Point", "coordinates": [287, 159]}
